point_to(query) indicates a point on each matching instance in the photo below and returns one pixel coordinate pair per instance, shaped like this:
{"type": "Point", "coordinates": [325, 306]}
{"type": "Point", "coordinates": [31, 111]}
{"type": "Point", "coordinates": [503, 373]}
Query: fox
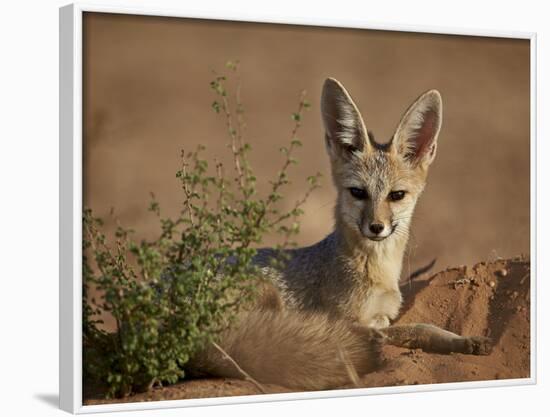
{"type": "Point", "coordinates": [324, 314]}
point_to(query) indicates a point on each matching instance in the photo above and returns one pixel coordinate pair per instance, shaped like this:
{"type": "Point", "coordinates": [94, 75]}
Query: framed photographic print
{"type": "Point", "coordinates": [262, 209]}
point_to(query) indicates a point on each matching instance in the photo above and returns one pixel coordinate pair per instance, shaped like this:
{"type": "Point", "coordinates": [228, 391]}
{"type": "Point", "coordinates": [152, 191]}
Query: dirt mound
{"type": "Point", "coordinates": [488, 299]}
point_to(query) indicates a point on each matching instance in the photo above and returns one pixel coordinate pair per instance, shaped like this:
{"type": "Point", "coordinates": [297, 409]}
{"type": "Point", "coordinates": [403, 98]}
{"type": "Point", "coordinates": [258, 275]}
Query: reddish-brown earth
{"type": "Point", "coordinates": [489, 299]}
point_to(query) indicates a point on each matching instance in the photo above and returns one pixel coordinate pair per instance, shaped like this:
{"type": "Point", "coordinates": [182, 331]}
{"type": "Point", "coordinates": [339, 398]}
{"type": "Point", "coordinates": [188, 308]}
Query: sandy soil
{"type": "Point", "coordinates": [490, 299]}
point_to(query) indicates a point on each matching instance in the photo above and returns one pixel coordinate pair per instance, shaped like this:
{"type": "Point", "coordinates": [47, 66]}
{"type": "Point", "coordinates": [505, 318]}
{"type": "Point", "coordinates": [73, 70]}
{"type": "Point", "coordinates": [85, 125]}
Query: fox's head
{"type": "Point", "coordinates": [378, 184]}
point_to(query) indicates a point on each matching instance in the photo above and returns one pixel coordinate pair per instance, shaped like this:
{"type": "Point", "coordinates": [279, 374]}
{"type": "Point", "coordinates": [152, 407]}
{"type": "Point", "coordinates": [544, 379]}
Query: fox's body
{"type": "Point", "coordinates": [325, 315]}
{"type": "Point", "coordinates": [361, 286]}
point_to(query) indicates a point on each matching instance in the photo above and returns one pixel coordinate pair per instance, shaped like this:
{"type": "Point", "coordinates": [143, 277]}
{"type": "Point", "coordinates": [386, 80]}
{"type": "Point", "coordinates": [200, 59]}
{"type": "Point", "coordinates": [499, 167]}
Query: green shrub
{"type": "Point", "coordinates": [172, 295]}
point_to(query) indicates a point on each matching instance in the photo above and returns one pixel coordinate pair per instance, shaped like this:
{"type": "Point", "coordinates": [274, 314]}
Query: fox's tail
{"type": "Point", "coordinates": [305, 351]}
{"type": "Point", "coordinates": [309, 351]}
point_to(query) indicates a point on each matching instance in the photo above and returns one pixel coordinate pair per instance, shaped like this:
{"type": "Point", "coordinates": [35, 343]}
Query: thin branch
{"type": "Point", "coordinates": [234, 138]}
{"type": "Point", "coordinates": [299, 203]}
{"type": "Point", "coordinates": [241, 125]}
{"type": "Point", "coordinates": [189, 207]}
{"type": "Point", "coordinates": [186, 189]}
{"type": "Point", "coordinates": [281, 180]}
{"type": "Point", "coordinates": [352, 373]}
{"type": "Point", "coordinates": [239, 369]}
{"type": "Point", "coordinates": [288, 161]}
{"type": "Point", "coordinates": [522, 280]}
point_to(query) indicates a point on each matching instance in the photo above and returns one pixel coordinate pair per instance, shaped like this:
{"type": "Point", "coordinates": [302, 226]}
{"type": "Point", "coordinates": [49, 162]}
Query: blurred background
{"type": "Point", "coordinates": [147, 96]}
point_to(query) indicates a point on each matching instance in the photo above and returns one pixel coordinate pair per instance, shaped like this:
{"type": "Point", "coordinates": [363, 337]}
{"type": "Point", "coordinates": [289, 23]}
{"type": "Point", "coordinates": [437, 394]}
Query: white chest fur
{"type": "Point", "coordinates": [383, 297]}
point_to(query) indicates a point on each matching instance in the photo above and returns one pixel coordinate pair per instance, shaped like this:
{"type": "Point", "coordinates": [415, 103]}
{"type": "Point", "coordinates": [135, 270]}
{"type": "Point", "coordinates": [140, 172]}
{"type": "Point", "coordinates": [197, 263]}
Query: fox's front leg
{"type": "Point", "coordinates": [380, 307]}
{"type": "Point", "coordinates": [431, 338]}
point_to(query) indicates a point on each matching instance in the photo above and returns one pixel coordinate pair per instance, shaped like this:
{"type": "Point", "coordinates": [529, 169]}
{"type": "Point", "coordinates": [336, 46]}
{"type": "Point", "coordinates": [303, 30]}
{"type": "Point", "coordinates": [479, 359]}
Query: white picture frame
{"type": "Point", "coordinates": [70, 355]}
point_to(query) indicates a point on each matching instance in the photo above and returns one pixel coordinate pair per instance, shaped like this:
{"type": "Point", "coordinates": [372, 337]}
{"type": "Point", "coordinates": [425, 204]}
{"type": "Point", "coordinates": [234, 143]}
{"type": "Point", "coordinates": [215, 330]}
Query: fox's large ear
{"type": "Point", "coordinates": [415, 139]}
{"type": "Point", "coordinates": [345, 131]}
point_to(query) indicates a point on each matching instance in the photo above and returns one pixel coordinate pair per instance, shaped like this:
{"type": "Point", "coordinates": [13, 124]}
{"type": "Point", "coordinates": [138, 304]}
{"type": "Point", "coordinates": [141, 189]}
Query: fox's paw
{"type": "Point", "coordinates": [376, 336]}
{"type": "Point", "coordinates": [379, 321]}
{"type": "Point", "coordinates": [373, 338]}
{"type": "Point", "coordinates": [373, 341]}
{"type": "Point", "coordinates": [478, 345]}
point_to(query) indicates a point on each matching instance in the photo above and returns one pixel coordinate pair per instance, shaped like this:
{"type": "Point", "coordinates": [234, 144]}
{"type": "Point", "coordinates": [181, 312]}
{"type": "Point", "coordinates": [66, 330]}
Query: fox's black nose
{"type": "Point", "coordinates": [376, 228]}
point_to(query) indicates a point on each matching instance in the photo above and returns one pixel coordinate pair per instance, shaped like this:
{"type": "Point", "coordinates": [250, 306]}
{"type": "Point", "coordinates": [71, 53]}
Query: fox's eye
{"type": "Point", "coordinates": [396, 195]}
{"type": "Point", "coordinates": [358, 193]}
